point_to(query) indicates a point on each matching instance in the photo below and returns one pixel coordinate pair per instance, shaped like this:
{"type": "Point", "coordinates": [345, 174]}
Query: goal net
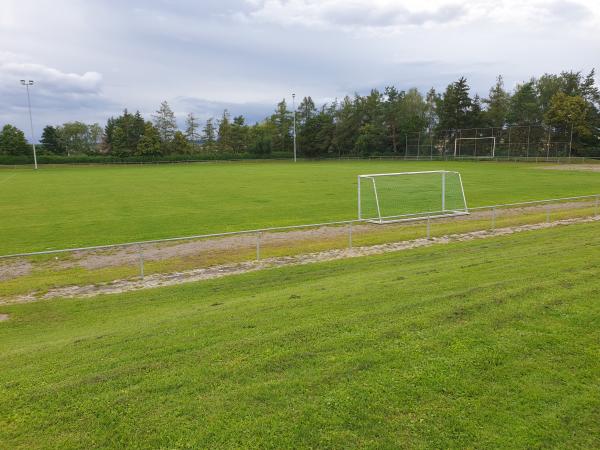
{"type": "Point", "coordinates": [395, 197]}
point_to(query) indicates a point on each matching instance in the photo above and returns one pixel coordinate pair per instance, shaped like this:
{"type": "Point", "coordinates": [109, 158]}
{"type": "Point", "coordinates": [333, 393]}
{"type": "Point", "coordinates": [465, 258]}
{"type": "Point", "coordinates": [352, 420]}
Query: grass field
{"type": "Point", "coordinates": [62, 207]}
{"type": "Point", "coordinates": [483, 344]}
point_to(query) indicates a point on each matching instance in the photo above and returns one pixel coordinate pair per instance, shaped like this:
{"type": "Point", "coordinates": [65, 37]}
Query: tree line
{"type": "Point", "coordinates": [359, 125]}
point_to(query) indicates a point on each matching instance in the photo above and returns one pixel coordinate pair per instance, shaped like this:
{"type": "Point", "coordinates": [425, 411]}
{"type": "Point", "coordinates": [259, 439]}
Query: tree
{"type": "Point", "coordinates": [191, 129]}
{"type": "Point", "coordinates": [498, 104]}
{"type": "Point", "coordinates": [12, 141]}
{"type": "Point", "coordinates": [149, 143]}
{"type": "Point", "coordinates": [568, 111]}
{"type": "Point", "coordinates": [454, 108]}
{"type": "Point", "coordinates": [51, 140]}
{"type": "Point", "coordinates": [347, 124]}
{"type": "Point", "coordinates": [224, 138]}
{"type": "Point", "coordinates": [180, 144]}
{"type": "Point", "coordinates": [282, 120]}
{"type": "Point", "coordinates": [209, 135]}
{"type": "Point", "coordinates": [122, 134]}
{"type": "Point", "coordinates": [393, 115]}
{"type": "Point", "coordinates": [165, 123]}
{"type": "Point", "coordinates": [239, 135]}
{"type": "Point", "coordinates": [260, 138]}
{"type": "Point", "coordinates": [524, 105]}
{"type": "Point", "coordinates": [431, 116]}
{"type": "Point", "coordinates": [306, 110]}
{"type": "Point", "coordinates": [74, 137]}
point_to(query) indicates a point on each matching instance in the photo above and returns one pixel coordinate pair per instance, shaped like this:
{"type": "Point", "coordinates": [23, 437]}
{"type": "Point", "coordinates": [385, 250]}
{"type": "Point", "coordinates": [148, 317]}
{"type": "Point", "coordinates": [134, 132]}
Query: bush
{"type": "Point", "coordinates": [148, 159]}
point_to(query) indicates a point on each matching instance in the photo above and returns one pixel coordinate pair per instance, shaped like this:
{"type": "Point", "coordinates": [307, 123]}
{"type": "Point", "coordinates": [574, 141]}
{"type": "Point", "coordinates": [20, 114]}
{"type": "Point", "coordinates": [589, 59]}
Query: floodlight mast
{"type": "Point", "coordinates": [27, 84]}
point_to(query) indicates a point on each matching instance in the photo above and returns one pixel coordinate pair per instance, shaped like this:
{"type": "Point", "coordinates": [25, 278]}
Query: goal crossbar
{"type": "Point", "coordinates": [439, 189]}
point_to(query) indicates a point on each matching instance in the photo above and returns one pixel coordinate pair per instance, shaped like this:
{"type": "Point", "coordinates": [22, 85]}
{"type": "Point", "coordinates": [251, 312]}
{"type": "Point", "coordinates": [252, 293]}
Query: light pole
{"type": "Point", "coordinates": [294, 108]}
{"type": "Point", "coordinates": [571, 140]}
{"type": "Point", "coordinates": [27, 84]}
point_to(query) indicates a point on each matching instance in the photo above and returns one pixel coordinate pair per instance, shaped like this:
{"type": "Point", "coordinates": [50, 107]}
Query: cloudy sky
{"type": "Point", "coordinates": [90, 59]}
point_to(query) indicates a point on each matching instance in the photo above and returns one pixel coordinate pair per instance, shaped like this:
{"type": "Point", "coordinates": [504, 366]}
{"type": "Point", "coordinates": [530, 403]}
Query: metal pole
{"type": "Point", "coordinates": [493, 219]}
{"type": "Point", "coordinates": [294, 107]}
{"type": "Point", "coordinates": [27, 84]}
{"type": "Point", "coordinates": [350, 235]}
{"type": "Point", "coordinates": [359, 209]}
{"type": "Point", "coordinates": [548, 150]}
{"type": "Point", "coordinates": [419, 146]}
{"type": "Point", "coordinates": [141, 261]}
{"type": "Point", "coordinates": [406, 148]}
{"type": "Point", "coordinates": [428, 228]}
{"type": "Point", "coordinates": [258, 246]}
{"type": "Point", "coordinates": [547, 213]}
{"type": "Point", "coordinates": [571, 142]}
{"type": "Point", "coordinates": [431, 143]}
{"type": "Point", "coordinates": [528, 139]}
{"type": "Point", "coordinates": [443, 191]}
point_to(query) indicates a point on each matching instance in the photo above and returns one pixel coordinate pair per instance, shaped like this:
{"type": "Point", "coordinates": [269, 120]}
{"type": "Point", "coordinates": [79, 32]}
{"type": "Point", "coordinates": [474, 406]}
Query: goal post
{"type": "Point", "coordinates": [491, 139]}
{"type": "Point", "coordinates": [396, 197]}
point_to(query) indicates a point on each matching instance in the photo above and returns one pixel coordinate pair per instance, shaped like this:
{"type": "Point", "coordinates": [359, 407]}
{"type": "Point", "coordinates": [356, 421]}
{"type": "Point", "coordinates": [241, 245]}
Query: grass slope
{"type": "Point", "coordinates": [483, 344]}
{"type": "Point", "coordinates": [73, 206]}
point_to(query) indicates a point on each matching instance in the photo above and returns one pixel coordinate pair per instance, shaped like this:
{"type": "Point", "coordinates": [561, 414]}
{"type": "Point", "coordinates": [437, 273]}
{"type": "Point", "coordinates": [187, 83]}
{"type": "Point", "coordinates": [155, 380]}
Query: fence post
{"type": "Point", "coordinates": [350, 235]}
{"type": "Point", "coordinates": [494, 219]}
{"type": "Point", "coordinates": [258, 246]}
{"type": "Point", "coordinates": [428, 228]}
{"type": "Point", "coordinates": [141, 253]}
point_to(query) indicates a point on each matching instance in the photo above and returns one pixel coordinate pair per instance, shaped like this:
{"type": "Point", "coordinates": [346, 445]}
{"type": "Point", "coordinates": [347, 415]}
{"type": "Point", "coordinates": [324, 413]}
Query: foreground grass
{"type": "Point", "coordinates": [483, 344]}
{"type": "Point", "coordinates": [75, 206]}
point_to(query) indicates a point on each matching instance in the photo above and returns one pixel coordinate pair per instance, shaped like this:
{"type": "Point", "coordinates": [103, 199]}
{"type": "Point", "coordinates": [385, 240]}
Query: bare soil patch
{"type": "Point", "coordinates": [577, 167]}
{"type": "Point", "coordinates": [157, 280]}
{"type": "Point", "coordinates": [4, 317]}
{"type": "Point", "coordinates": [14, 269]}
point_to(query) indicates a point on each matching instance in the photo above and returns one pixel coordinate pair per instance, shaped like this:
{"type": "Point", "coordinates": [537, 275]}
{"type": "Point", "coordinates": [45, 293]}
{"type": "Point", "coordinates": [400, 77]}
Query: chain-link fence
{"type": "Point", "coordinates": [528, 142]}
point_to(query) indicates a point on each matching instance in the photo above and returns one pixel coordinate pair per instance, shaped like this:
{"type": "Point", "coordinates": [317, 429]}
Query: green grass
{"type": "Point", "coordinates": [62, 207]}
{"type": "Point", "coordinates": [486, 344]}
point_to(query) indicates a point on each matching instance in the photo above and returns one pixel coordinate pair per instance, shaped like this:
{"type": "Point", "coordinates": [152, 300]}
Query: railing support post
{"type": "Point", "coordinates": [350, 235]}
{"type": "Point", "coordinates": [428, 228]}
{"type": "Point", "coordinates": [258, 246]}
{"type": "Point", "coordinates": [141, 253]}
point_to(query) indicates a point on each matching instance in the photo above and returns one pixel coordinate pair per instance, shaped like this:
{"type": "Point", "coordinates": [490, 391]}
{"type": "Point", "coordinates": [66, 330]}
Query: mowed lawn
{"type": "Point", "coordinates": [483, 344]}
{"type": "Point", "coordinates": [58, 207]}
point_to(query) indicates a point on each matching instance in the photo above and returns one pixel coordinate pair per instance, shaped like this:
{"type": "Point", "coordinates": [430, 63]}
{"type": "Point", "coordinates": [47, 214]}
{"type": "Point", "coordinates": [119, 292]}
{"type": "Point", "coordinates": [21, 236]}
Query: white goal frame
{"type": "Point", "coordinates": [493, 138]}
{"type": "Point", "coordinates": [414, 216]}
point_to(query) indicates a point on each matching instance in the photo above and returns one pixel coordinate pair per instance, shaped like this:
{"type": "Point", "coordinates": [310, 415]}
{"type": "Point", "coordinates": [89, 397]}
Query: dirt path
{"type": "Point", "coordinates": [171, 279]}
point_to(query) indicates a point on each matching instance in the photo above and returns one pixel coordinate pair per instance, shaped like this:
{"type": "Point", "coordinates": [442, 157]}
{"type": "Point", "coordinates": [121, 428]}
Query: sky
{"type": "Point", "coordinates": [91, 59]}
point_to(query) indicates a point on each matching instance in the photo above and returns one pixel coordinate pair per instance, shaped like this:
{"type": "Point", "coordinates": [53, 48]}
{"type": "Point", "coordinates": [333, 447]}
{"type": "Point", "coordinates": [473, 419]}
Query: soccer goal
{"type": "Point", "coordinates": [396, 197]}
{"type": "Point", "coordinates": [487, 146]}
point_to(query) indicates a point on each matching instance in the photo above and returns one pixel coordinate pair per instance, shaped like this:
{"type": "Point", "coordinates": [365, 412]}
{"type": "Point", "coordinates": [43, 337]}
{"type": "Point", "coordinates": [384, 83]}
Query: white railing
{"type": "Point", "coordinates": [259, 231]}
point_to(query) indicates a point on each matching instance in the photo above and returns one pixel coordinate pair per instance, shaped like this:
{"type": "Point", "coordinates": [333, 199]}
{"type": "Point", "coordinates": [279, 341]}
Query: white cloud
{"type": "Point", "coordinates": [50, 79]}
{"type": "Point", "coordinates": [352, 15]}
